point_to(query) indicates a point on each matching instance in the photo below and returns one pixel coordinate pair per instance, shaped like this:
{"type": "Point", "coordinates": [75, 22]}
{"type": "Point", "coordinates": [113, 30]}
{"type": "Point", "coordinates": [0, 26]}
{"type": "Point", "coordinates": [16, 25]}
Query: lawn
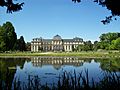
{"type": "Point", "coordinates": [90, 54]}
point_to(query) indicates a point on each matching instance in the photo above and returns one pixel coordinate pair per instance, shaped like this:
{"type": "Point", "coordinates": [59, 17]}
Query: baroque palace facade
{"type": "Point", "coordinates": [55, 44]}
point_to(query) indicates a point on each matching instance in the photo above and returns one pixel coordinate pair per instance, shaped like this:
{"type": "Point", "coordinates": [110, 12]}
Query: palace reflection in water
{"type": "Point", "coordinates": [56, 61]}
{"type": "Point", "coordinates": [49, 68]}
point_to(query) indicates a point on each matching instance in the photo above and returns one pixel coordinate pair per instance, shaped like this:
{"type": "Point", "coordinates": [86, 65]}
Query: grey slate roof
{"type": "Point", "coordinates": [57, 37]}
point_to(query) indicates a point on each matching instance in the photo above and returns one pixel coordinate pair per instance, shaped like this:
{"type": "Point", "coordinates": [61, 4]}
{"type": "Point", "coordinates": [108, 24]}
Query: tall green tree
{"type": "Point", "coordinates": [10, 35]}
{"type": "Point", "coordinates": [21, 44]}
{"type": "Point", "coordinates": [28, 47]}
{"type": "Point", "coordinates": [8, 38]}
{"type": "Point", "coordinates": [88, 45]}
{"type": "Point", "coordinates": [2, 40]}
{"type": "Point", "coordinates": [96, 45]}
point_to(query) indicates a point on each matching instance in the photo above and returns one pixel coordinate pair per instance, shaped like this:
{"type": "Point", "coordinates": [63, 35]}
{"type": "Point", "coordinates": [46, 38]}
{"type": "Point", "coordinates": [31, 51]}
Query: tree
{"type": "Point", "coordinates": [112, 45]}
{"type": "Point", "coordinates": [96, 45]}
{"type": "Point", "coordinates": [117, 43]}
{"type": "Point", "coordinates": [104, 45]}
{"type": "Point", "coordinates": [108, 37]}
{"type": "Point", "coordinates": [80, 47]}
{"type": "Point", "coordinates": [21, 44]}
{"type": "Point", "coordinates": [2, 40]}
{"type": "Point", "coordinates": [87, 46]}
{"type": "Point", "coordinates": [107, 40]}
{"type": "Point", "coordinates": [112, 5]}
{"type": "Point", "coordinates": [28, 46]}
{"type": "Point", "coordinates": [10, 36]}
{"type": "Point", "coordinates": [11, 6]}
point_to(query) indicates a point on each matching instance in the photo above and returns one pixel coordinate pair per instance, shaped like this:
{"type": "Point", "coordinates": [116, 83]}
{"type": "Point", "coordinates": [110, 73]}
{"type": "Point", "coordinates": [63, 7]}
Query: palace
{"type": "Point", "coordinates": [55, 44]}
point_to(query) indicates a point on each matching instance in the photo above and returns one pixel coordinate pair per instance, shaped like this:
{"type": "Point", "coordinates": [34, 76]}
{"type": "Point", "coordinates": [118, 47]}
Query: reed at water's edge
{"type": "Point", "coordinates": [68, 81]}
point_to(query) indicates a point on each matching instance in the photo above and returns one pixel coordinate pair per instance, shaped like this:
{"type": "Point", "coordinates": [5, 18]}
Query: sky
{"type": "Point", "coordinates": [46, 18]}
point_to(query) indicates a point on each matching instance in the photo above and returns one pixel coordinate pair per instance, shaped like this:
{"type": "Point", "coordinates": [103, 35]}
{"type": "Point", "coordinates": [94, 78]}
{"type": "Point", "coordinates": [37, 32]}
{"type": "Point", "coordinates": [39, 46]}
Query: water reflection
{"type": "Point", "coordinates": [112, 64]}
{"type": "Point", "coordinates": [56, 62]}
{"type": "Point", "coordinates": [48, 69]}
{"type": "Point", "coordinates": [8, 70]}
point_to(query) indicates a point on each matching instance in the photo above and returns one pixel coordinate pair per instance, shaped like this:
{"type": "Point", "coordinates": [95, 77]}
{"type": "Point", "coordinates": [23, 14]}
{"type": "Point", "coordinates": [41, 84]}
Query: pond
{"type": "Point", "coordinates": [26, 71]}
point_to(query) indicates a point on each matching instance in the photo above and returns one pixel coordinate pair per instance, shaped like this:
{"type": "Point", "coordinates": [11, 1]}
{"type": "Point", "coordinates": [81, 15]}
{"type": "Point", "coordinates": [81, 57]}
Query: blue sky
{"type": "Point", "coordinates": [46, 18]}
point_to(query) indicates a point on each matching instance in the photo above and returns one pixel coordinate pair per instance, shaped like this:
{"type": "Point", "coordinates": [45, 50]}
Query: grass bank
{"type": "Point", "coordinates": [89, 54]}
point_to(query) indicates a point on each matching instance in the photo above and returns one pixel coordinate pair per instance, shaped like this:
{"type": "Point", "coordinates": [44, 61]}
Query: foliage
{"type": "Point", "coordinates": [2, 40]}
{"type": "Point", "coordinates": [8, 38]}
{"type": "Point", "coordinates": [111, 64]}
{"type": "Point", "coordinates": [109, 41]}
{"type": "Point", "coordinates": [11, 6]}
{"type": "Point", "coordinates": [112, 5]}
{"type": "Point", "coordinates": [117, 43]}
{"type": "Point", "coordinates": [87, 46]}
{"type": "Point", "coordinates": [21, 44]}
{"type": "Point", "coordinates": [108, 37]}
{"type": "Point", "coordinates": [96, 46]}
{"type": "Point", "coordinates": [7, 74]}
{"type": "Point", "coordinates": [9, 34]}
{"type": "Point", "coordinates": [28, 46]}
{"type": "Point", "coordinates": [112, 46]}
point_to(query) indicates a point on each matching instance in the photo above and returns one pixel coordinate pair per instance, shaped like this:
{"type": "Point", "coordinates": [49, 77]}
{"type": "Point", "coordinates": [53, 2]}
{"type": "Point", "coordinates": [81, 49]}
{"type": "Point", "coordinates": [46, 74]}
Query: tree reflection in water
{"type": "Point", "coordinates": [60, 72]}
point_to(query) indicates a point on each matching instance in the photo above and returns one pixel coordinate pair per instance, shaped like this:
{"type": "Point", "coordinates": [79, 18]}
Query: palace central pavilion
{"type": "Point", "coordinates": [55, 44]}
